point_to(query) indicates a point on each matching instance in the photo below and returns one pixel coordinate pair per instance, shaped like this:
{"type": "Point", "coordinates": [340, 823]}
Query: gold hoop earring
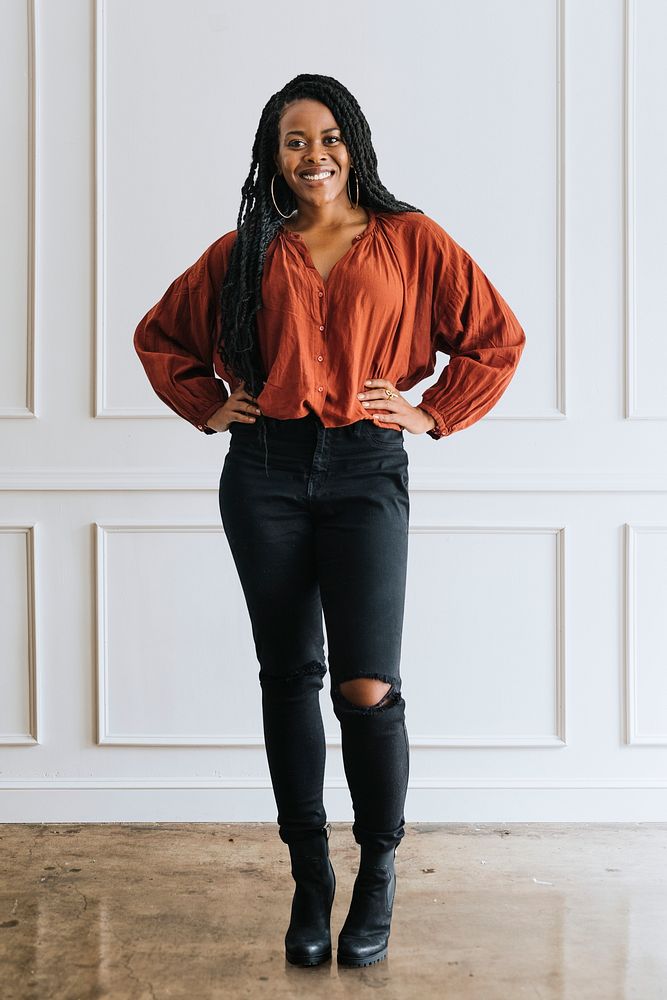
{"type": "Point", "coordinates": [273, 197]}
{"type": "Point", "coordinates": [348, 188]}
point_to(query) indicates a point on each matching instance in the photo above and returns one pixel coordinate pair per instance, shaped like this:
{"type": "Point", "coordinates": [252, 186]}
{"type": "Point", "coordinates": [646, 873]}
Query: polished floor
{"type": "Point", "coordinates": [198, 911]}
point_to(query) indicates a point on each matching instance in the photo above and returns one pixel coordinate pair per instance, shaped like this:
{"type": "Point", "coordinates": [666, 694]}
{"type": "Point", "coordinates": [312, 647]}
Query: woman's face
{"type": "Point", "coordinates": [310, 142]}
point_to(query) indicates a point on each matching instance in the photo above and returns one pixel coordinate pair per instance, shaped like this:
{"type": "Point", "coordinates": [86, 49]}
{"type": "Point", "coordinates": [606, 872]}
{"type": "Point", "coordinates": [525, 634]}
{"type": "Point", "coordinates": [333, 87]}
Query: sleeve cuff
{"type": "Point", "coordinates": [441, 429]}
{"type": "Point", "coordinates": [200, 422]}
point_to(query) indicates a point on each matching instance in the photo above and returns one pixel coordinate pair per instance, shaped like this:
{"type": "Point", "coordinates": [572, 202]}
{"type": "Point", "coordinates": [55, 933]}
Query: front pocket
{"type": "Point", "coordinates": [383, 437]}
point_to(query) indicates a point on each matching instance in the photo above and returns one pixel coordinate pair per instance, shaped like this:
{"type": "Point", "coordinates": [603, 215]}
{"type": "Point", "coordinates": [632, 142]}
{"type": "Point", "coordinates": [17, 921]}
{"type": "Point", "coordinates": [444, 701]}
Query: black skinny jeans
{"type": "Point", "coordinates": [325, 532]}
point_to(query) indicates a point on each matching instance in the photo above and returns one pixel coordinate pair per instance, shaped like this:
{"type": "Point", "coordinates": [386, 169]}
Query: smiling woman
{"type": "Point", "coordinates": [328, 299]}
{"type": "Point", "coordinates": [316, 158]}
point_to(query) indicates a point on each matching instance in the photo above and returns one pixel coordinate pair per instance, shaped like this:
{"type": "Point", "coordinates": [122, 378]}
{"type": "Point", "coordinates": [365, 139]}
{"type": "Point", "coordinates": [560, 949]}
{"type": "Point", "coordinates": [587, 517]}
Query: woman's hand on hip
{"type": "Point", "coordinates": [239, 406]}
{"type": "Point", "coordinates": [395, 409]}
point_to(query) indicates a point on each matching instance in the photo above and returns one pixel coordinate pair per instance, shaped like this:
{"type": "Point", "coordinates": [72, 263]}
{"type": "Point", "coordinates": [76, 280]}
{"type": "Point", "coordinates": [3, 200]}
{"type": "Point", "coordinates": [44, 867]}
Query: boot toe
{"type": "Point", "coordinates": [352, 951]}
{"type": "Point", "coordinates": [308, 954]}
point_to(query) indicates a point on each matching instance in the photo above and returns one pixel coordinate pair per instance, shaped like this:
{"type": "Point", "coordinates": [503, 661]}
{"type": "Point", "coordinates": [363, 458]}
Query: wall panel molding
{"type": "Point", "coordinates": [29, 409]}
{"type": "Point", "coordinates": [106, 737]}
{"type": "Point", "coordinates": [633, 734]}
{"type": "Point", "coordinates": [633, 408]}
{"type": "Point", "coordinates": [423, 479]}
{"type": "Point", "coordinates": [539, 784]}
{"type": "Point", "coordinates": [557, 738]}
{"type": "Point", "coordinates": [32, 674]}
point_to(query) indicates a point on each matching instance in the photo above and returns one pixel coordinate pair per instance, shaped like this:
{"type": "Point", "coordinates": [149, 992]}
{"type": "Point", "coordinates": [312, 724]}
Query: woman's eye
{"type": "Point", "coordinates": [336, 138]}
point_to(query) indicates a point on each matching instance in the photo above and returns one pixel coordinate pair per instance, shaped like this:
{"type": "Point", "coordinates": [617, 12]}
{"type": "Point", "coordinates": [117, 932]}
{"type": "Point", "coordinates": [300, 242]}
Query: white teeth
{"type": "Point", "coordinates": [317, 177]}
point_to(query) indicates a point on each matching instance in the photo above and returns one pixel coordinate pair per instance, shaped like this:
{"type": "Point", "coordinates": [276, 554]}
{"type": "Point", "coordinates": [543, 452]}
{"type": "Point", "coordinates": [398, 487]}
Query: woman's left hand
{"type": "Point", "coordinates": [394, 408]}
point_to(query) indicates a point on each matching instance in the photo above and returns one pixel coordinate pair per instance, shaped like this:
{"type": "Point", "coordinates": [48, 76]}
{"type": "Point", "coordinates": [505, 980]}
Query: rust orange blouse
{"type": "Point", "coordinates": [404, 290]}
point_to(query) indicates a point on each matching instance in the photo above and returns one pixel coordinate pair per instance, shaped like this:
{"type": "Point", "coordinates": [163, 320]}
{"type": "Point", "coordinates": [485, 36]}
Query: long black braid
{"type": "Point", "coordinates": [258, 222]}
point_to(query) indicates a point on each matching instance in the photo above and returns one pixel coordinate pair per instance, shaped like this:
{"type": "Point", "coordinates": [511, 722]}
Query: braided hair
{"type": "Point", "coordinates": [258, 222]}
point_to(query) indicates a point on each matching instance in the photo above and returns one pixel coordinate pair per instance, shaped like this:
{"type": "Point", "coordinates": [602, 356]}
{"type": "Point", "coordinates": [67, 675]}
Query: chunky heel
{"type": "Point", "coordinates": [308, 937]}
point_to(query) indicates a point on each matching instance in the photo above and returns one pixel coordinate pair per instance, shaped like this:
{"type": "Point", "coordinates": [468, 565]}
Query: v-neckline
{"type": "Point", "coordinates": [299, 241]}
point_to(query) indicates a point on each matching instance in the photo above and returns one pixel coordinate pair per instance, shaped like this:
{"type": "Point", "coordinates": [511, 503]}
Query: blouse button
{"type": "Point", "coordinates": [321, 328]}
{"type": "Point", "coordinates": [357, 237]}
{"type": "Point", "coordinates": [321, 294]}
{"type": "Point", "coordinates": [320, 388]}
{"type": "Point", "coordinates": [320, 358]}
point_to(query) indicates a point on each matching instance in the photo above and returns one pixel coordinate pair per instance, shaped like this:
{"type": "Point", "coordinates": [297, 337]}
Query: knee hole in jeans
{"type": "Point", "coordinates": [366, 692]}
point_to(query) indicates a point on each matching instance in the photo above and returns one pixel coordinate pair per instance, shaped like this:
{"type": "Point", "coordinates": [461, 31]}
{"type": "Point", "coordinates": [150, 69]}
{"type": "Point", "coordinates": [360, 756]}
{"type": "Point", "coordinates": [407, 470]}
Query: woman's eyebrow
{"type": "Point", "coordinates": [294, 131]}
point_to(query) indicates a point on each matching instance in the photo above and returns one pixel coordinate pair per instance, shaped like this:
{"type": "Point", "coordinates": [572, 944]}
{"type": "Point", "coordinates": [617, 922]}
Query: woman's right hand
{"type": "Point", "coordinates": [239, 406]}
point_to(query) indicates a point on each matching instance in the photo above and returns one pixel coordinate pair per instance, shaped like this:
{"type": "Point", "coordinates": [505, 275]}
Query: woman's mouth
{"type": "Point", "coordinates": [316, 178]}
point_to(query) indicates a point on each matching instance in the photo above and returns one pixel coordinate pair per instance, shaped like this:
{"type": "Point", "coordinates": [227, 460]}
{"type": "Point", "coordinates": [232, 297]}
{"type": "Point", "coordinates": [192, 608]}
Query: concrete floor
{"type": "Point", "coordinates": [199, 911]}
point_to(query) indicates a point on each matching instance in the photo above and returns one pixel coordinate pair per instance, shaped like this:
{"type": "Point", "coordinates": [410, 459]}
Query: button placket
{"type": "Point", "coordinates": [320, 356]}
{"type": "Point", "coordinates": [299, 244]}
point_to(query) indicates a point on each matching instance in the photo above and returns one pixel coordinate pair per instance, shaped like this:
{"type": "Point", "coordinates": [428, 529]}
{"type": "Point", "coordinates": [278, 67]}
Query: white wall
{"type": "Point", "coordinates": [535, 636]}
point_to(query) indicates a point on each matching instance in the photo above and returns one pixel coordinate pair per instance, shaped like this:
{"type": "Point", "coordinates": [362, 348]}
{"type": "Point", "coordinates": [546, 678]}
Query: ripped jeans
{"type": "Point", "coordinates": [325, 533]}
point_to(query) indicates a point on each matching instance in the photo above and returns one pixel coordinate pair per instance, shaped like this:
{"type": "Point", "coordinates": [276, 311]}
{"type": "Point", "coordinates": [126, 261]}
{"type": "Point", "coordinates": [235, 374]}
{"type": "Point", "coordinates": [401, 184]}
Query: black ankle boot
{"type": "Point", "coordinates": [364, 937]}
{"type": "Point", "coordinates": [308, 938]}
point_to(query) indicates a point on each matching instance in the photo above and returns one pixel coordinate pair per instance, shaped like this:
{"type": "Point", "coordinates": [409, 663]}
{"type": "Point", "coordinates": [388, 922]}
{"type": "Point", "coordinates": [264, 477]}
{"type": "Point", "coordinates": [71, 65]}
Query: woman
{"type": "Point", "coordinates": [328, 300]}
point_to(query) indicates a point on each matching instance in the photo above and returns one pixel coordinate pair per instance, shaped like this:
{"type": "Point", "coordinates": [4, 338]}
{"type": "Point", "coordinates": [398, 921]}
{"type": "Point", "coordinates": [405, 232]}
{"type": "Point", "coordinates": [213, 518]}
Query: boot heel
{"type": "Point", "coordinates": [308, 937]}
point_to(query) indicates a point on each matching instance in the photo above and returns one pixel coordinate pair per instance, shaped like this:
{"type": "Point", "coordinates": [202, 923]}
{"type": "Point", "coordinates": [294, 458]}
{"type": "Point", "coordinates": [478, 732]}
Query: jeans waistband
{"type": "Point", "coordinates": [277, 424]}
